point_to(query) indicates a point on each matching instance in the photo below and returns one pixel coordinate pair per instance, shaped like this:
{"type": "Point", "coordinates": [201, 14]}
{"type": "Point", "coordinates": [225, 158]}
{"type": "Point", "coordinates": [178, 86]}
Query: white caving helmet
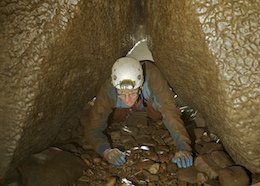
{"type": "Point", "coordinates": [127, 73]}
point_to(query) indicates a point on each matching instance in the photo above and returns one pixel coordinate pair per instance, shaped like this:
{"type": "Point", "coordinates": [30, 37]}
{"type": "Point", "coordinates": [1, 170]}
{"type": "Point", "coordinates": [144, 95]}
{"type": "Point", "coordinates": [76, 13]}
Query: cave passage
{"type": "Point", "coordinates": [56, 54]}
{"type": "Point", "coordinates": [149, 148]}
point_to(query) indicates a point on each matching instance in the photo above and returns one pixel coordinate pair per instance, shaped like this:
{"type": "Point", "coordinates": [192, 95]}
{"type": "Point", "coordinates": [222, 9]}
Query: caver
{"type": "Point", "coordinates": [138, 85]}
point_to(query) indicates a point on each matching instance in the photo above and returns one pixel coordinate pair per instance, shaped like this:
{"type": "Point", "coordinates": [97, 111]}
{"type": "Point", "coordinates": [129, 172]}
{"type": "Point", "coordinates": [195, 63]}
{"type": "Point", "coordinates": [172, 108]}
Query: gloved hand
{"type": "Point", "coordinates": [183, 159]}
{"type": "Point", "coordinates": [114, 156]}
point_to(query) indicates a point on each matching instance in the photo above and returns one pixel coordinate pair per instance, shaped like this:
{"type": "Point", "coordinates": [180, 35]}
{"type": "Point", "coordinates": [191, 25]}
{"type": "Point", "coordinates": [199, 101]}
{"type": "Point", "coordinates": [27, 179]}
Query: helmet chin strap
{"type": "Point", "coordinates": [141, 99]}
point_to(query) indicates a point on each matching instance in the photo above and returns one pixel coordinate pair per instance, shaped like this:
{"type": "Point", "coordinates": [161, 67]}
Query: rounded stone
{"type": "Point", "coordinates": [234, 175]}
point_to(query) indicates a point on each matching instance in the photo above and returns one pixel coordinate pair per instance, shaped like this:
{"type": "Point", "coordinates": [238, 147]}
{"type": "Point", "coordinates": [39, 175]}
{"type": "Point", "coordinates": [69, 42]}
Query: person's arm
{"type": "Point", "coordinates": [97, 122]}
{"type": "Point", "coordinates": [94, 133]}
{"type": "Point", "coordinates": [163, 98]}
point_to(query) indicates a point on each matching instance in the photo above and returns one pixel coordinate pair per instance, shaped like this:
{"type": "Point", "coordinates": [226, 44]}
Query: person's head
{"type": "Point", "coordinates": [127, 77]}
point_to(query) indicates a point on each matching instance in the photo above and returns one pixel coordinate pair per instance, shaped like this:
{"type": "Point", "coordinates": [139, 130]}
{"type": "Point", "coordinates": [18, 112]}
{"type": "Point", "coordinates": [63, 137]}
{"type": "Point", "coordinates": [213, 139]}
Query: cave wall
{"type": "Point", "coordinates": [55, 55]}
{"type": "Point", "coordinates": [209, 51]}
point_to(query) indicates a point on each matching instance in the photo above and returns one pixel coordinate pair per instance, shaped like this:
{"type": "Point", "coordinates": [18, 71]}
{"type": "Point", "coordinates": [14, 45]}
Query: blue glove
{"type": "Point", "coordinates": [114, 156]}
{"type": "Point", "coordinates": [183, 159]}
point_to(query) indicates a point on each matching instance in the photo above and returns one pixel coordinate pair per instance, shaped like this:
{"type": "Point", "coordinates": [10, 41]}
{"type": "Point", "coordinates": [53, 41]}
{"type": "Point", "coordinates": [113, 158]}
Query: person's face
{"type": "Point", "coordinates": [129, 97]}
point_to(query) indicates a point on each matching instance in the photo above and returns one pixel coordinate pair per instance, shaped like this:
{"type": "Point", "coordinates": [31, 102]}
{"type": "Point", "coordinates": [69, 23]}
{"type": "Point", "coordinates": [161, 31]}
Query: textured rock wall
{"type": "Point", "coordinates": [209, 51]}
{"type": "Point", "coordinates": [54, 56]}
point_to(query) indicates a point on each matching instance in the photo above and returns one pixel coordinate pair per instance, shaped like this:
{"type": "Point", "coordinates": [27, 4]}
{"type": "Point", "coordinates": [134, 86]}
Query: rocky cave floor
{"type": "Point", "coordinates": [149, 148]}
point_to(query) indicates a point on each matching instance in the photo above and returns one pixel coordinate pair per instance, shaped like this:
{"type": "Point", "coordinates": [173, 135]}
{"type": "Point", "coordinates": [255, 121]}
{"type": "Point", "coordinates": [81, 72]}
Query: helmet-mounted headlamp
{"type": "Point", "coordinates": [127, 84]}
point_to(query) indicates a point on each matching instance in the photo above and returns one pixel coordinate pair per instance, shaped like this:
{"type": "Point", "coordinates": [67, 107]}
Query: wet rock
{"type": "Point", "coordinates": [205, 137]}
{"type": "Point", "coordinates": [142, 136]}
{"type": "Point", "coordinates": [209, 147]}
{"type": "Point", "coordinates": [182, 183]}
{"type": "Point", "coordinates": [168, 139]}
{"type": "Point", "coordinates": [149, 142]}
{"type": "Point", "coordinates": [161, 149]}
{"type": "Point", "coordinates": [154, 168]}
{"type": "Point", "coordinates": [129, 130]}
{"type": "Point", "coordinates": [51, 167]}
{"type": "Point", "coordinates": [200, 142]}
{"type": "Point", "coordinates": [165, 157]}
{"type": "Point", "coordinates": [153, 156]}
{"type": "Point", "coordinates": [110, 182]}
{"type": "Point", "coordinates": [198, 148]}
{"type": "Point", "coordinates": [127, 139]}
{"type": "Point", "coordinates": [202, 178]}
{"type": "Point", "coordinates": [159, 140]}
{"type": "Point", "coordinates": [104, 163]}
{"type": "Point", "coordinates": [205, 164]}
{"type": "Point", "coordinates": [221, 159]}
{"type": "Point", "coordinates": [63, 135]}
{"type": "Point", "coordinates": [163, 167]}
{"type": "Point", "coordinates": [141, 182]}
{"type": "Point", "coordinates": [172, 168]}
{"type": "Point", "coordinates": [89, 172]}
{"type": "Point", "coordinates": [188, 174]}
{"type": "Point", "coordinates": [163, 178]}
{"type": "Point", "coordinates": [69, 147]}
{"type": "Point", "coordinates": [214, 137]}
{"type": "Point", "coordinates": [86, 161]}
{"type": "Point", "coordinates": [87, 158]}
{"type": "Point", "coordinates": [198, 132]}
{"type": "Point", "coordinates": [199, 120]}
{"type": "Point", "coordinates": [115, 135]}
{"type": "Point", "coordinates": [210, 137]}
{"type": "Point", "coordinates": [150, 130]}
{"type": "Point", "coordinates": [150, 166]}
{"type": "Point", "coordinates": [212, 163]}
{"type": "Point", "coordinates": [162, 133]}
{"type": "Point", "coordinates": [13, 184]}
{"type": "Point", "coordinates": [150, 177]}
{"type": "Point", "coordinates": [212, 182]}
{"type": "Point", "coordinates": [173, 182]}
{"type": "Point", "coordinates": [86, 146]}
{"type": "Point", "coordinates": [256, 178]}
{"type": "Point", "coordinates": [85, 179]}
{"type": "Point", "coordinates": [256, 184]}
{"type": "Point", "coordinates": [171, 143]}
{"type": "Point", "coordinates": [96, 160]}
{"type": "Point", "coordinates": [145, 164]}
{"type": "Point", "coordinates": [234, 175]}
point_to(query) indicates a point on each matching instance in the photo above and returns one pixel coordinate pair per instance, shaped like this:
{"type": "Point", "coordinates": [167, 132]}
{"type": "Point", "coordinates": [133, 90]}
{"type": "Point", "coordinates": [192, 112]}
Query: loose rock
{"type": "Point", "coordinates": [234, 175]}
